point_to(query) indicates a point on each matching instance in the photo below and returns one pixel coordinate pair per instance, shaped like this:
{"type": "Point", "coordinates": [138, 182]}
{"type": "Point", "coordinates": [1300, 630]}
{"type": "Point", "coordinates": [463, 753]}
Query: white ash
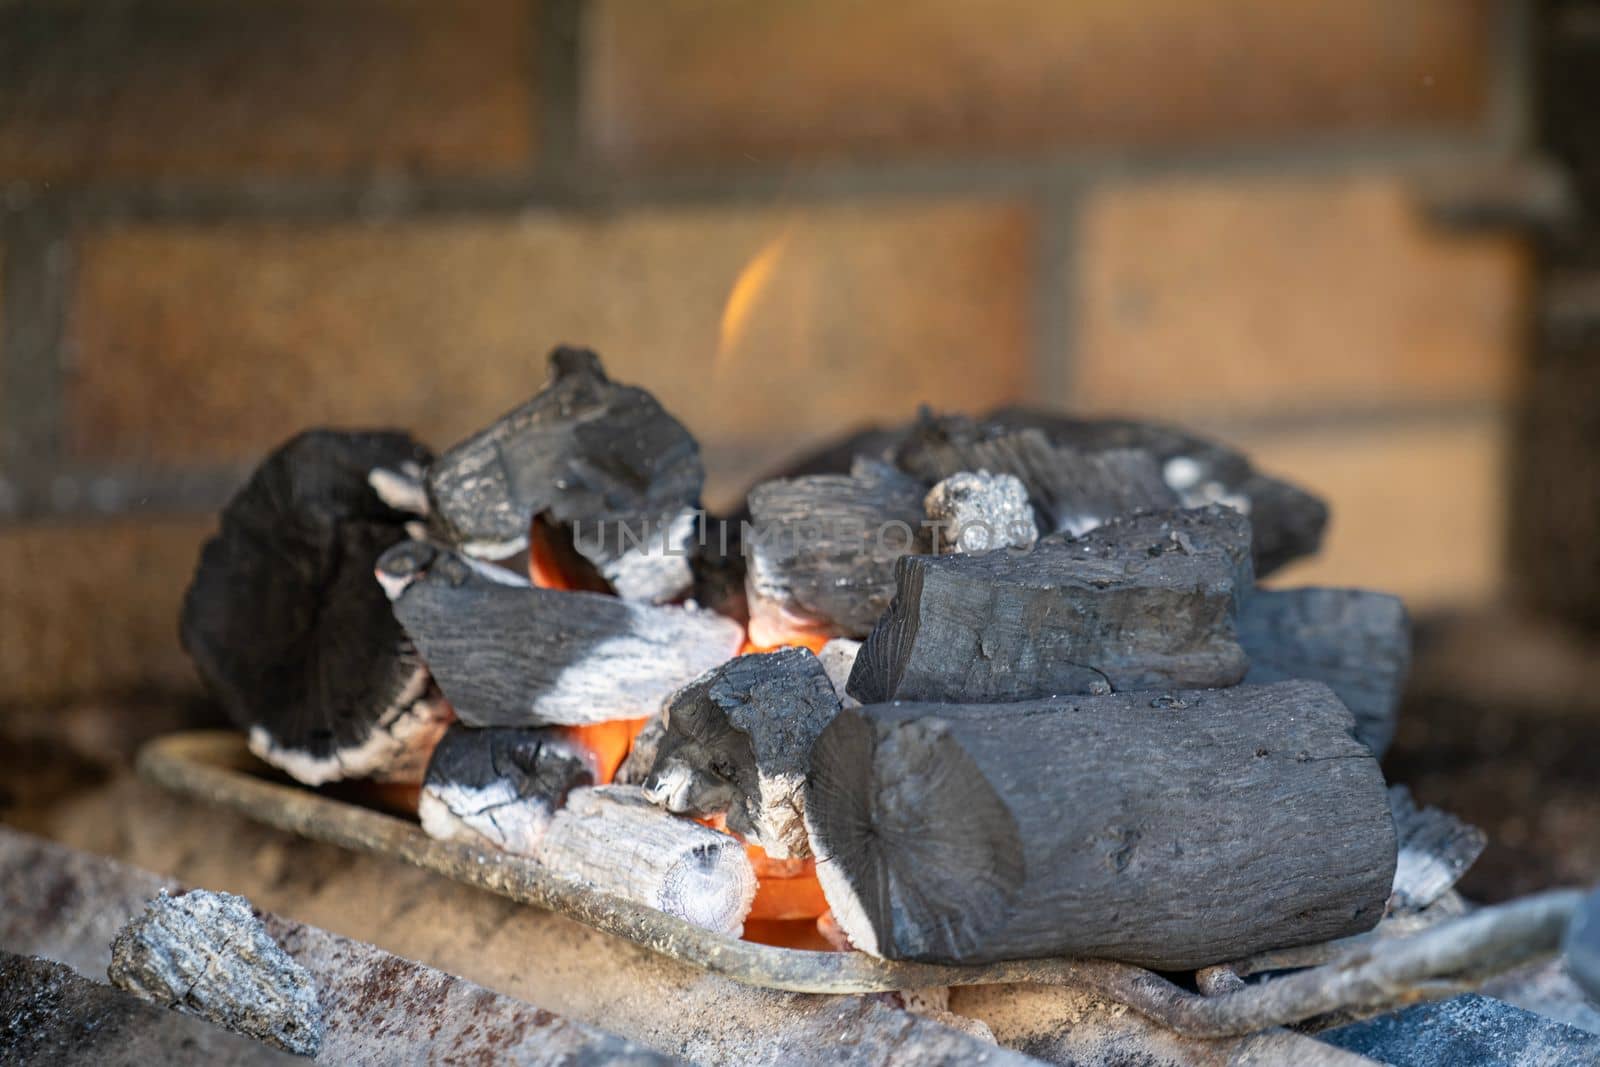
{"type": "Point", "coordinates": [838, 656]}
{"type": "Point", "coordinates": [657, 570]}
{"type": "Point", "coordinates": [1187, 477]}
{"type": "Point", "coordinates": [493, 815]}
{"type": "Point", "coordinates": [207, 954]}
{"type": "Point", "coordinates": [397, 749]}
{"type": "Point", "coordinates": [403, 490]}
{"type": "Point", "coordinates": [977, 511]}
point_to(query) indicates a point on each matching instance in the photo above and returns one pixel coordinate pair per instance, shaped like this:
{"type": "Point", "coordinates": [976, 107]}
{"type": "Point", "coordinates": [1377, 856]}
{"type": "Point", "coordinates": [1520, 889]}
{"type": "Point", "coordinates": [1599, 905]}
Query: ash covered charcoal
{"type": "Point", "coordinates": [208, 954]}
{"type": "Point", "coordinates": [838, 658]}
{"type": "Point", "coordinates": [1355, 640]}
{"type": "Point", "coordinates": [1436, 848]}
{"type": "Point", "coordinates": [287, 627]}
{"type": "Point", "coordinates": [642, 752]}
{"type": "Point", "coordinates": [588, 454]}
{"type": "Point", "coordinates": [1135, 604]}
{"type": "Point", "coordinates": [737, 742]}
{"type": "Point", "coordinates": [1072, 490]}
{"type": "Point", "coordinates": [977, 511]}
{"type": "Point", "coordinates": [1582, 947]}
{"type": "Point", "coordinates": [821, 551]}
{"type": "Point", "coordinates": [501, 785]}
{"type": "Point", "coordinates": [615, 840]}
{"type": "Point", "coordinates": [507, 653]}
{"type": "Point", "coordinates": [1171, 829]}
{"type": "Point", "coordinates": [1468, 1029]}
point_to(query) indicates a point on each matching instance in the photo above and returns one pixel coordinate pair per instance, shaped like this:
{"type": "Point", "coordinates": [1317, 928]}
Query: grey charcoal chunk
{"type": "Point", "coordinates": [1436, 848]}
{"type": "Point", "coordinates": [1355, 641]}
{"type": "Point", "coordinates": [207, 954]}
{"type": "Point", "coordinates": [1469, 1029]}
{"type": "Point", "coordinates": [977, 511]}
{"type": "Point", "coordinates": [1138, 603]}
{"type": "Point", "coordinates": [50, 1015]}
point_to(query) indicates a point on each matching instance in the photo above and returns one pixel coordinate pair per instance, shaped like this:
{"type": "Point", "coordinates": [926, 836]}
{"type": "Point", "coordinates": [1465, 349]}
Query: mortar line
{"type": "Point", "coordinates": [32, 324]}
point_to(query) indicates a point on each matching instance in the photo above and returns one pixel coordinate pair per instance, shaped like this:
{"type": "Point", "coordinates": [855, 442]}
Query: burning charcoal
{"type": "Point", "coordinates": [207, 954]}
{"type": "Point", "coordinates": [585, 454]}
{"type": "Point", "coordinates": [1469, 1029]}
{"type": "Point", "coordinates": [642, 753]}
{"type": "Point", "coordinates": [1167, 829]}
{"type": "Point", "coordinates": [1356, 641]}
{"type": "Point", "coordinates": [507, 653]}
{"type": "Point", "coordinates": [738, 743]}
{"type": "Point", "coordinates": [1582, 948]}
{"type": "Point", "coordinates": [1436, 848]}
{"type": "Point", "coordinates": [821, 551]}
{"type": "Point", "coordinates": [1134, 604]}
{"type": "Point", "coordinates": [618, 842]}
{"type": "Point", "coordinates": [501, 785]}
{"type": "Point", "coordinates": [978, 511]}
{"type": "Point", "coordinates": [1072, 490]}
{"type": "Point", "coordinates": [288, 629]}
{"type": "Point", "coordinates": [1286, 522]}
{"type": "Point", "coordinates": [838, 658]}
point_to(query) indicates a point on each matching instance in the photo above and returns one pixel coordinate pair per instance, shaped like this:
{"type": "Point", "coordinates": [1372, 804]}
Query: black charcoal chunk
{"type": "Point", "coordinates": [500, 784]}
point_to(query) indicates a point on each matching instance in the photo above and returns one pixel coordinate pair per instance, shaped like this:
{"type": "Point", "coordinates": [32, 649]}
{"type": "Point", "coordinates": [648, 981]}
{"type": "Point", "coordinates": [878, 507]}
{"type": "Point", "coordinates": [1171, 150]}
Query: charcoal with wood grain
{"type": "Point", "coordinates": [500, 785]}
{"type": "Point", "coordinates": [737, 742]}
{"type": "Point", "coordinates": [1072, 490]}
{"type": "Point", "coordinates": [509, 653]}
{"type": "Point", "coordinates": [1172, 829]}
{"type": "Point", "coordinates": [821, 550]}
{"type": "Point", "coordinates": [1137, 603]}
{"type": "Point", "coordinates": [612, 478]}
{"type": "Point", "coordinates": [619, 843]}
{"type": "Point", "coordinates": [287, 627]}
{"type": "Point", "coordinates": [1355, 640]}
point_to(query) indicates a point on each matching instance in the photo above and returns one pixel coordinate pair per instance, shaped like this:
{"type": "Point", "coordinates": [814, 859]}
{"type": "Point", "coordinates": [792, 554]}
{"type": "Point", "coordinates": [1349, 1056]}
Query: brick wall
{"type": "Point", "coordinates": [221, 223]}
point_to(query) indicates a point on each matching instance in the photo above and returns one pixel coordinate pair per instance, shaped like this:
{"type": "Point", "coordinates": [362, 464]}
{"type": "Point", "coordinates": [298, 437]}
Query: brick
{"type": "Point", "coordinates": [213, 344]}
{"type": "Point", "coordinates": [684, 83]}
{"type": "Point", "coordinates": [190, 89]}
{"type": "Point", "coordinates": [1416, 510]}
{"type": "Point", "coordinates": [1272, 295]}
{"type": "Point", "coordinates": [87, 609]}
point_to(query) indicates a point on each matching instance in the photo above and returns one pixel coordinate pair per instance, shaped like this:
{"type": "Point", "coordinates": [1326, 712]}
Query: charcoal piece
{"type": "Point", "coordinates": [1582, 948]}
{"type": "Point", "coordinates": [1358, 642]}
{"type": "Point", "coordinates": [1135, 604]}
{"type": "Point", "coordinates": [51, 1016]}
{"type": "Point", "coordinates": [642, 752]}
{"type": "Point", "coordinates": [587, 455]}
{"type": "Point", "coordinates": [288, 629]}
{"type": "Point", "coordinates": [500, 785]}
{"type": "Point", "coordinates": [615, 840]}
{"type": "Point", "coordinates": [1286, 521]}
{"type": "Point", "coordinates": [820, 551]}
{"type": "Point", "coordinates": [507, 653]}
{"type": "Point", "coordinates": [738, 743]}
{"type": "Point", "coordinates": [1469, 1029]}
{"type": "Point", "coordinates": [1072, 490]}
{"type": "Point", "coordinates": [1171, 829]}
{"type": "Point", "coordinates": [976, 511]}
{"type": "Point", "coordinates": [208, 954]}
{"type": "Point", "coordinates": [1436, 848]}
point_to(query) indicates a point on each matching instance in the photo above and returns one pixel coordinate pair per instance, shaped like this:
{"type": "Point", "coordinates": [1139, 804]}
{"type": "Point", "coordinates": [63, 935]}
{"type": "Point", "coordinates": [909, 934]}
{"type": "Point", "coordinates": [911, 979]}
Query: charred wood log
{"type": "Point", "coordinates": [507, 653]}
{"type": "Point", "coordinates": [1072, 490]}
{"type": "Point", "coordinates": [1172, 830]}
{"type": "Point", "coordinates": [500, 785]}
{"type": "Point", "coordinates": [288, 629]}
{"type": "Point", "coordinates": [820, 551]}
{"type": "Point", "coordinates": [1358, 642]}
{"type": "Point", "coordinates": [1135, 604]}
{"type": "Point", "coordinates": [617, 841]}
{"type": "Point", "coordinates": [590, 456]}
{"type": "Point", "coordinates": [737, 742]}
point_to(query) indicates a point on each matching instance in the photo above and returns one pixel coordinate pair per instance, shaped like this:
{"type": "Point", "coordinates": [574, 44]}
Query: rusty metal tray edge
{"type": "Point", "coordinates": [212, 765]}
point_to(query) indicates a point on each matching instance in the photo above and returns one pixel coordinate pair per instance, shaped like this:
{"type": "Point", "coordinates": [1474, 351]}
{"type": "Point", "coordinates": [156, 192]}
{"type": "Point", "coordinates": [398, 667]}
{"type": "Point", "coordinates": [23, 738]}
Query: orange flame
{"type": "Point", "coordinates": [748, 287]}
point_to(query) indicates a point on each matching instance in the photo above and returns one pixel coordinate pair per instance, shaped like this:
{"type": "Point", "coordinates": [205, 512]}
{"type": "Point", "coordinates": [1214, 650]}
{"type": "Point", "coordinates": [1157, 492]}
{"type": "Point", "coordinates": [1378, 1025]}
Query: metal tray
{"type": "Point", "coordinates": [215, 766]}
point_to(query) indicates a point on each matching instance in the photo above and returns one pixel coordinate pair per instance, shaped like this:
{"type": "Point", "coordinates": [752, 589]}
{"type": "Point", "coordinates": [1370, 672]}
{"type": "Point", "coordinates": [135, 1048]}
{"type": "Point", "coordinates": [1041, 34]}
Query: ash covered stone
{"type": "Point", "coordinates": [207, 954]}
{"type": "Point", "coordinates": [977, 511]}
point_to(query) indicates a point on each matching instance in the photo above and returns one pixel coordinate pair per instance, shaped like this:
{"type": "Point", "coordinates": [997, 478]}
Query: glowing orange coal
{"type": "Point", "coordinates": [811, 641]}
{"type": "Point", "coordinates": [608, 742]}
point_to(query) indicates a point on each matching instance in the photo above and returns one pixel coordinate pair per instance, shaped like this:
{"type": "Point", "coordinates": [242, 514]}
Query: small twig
{"type": "Point", "coordinates": [1448, 958]}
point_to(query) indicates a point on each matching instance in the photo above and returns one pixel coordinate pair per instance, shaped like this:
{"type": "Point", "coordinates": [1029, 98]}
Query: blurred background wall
{"type": "Point", "coordinates": [1306, 226]}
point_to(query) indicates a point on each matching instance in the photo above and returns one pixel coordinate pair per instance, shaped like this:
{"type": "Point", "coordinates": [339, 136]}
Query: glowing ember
{"type": "Point", "coordinates": [607, 742]}
{"type": "Point", "coordinates": [742, 299]}
{"type": "Point", "coordinates": [812, 641]}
